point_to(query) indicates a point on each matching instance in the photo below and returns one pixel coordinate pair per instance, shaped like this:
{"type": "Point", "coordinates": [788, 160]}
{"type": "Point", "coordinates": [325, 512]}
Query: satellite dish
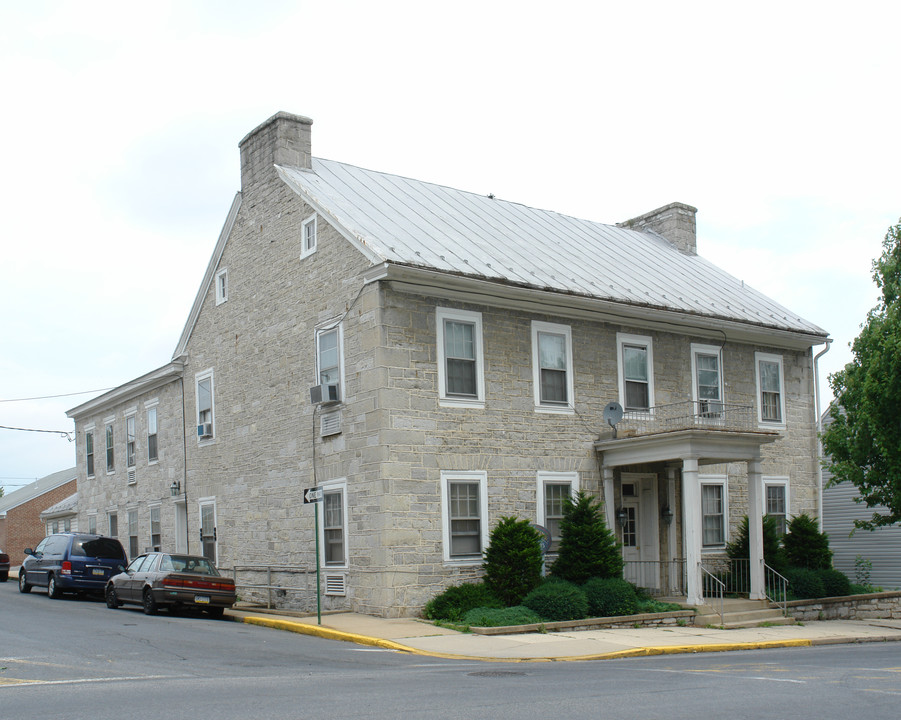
{"type": "Point", "coordinates": [613, 413]}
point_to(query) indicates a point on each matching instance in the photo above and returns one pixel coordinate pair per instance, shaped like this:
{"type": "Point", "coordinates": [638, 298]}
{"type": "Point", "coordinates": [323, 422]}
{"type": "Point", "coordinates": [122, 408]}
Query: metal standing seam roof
{"type": "Point", "coordinates": [416, 223]}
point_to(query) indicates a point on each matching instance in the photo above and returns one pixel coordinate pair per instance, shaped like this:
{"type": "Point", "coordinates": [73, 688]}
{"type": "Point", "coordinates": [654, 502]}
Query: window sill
{"type": "Point", "coordinates": [461, 403]}
{"type": "Point", "coordinates": [467, 562]}
{"type": "Point", "coordinates": [554, 410]}
{"type": "Point", "coordinates": [763, 425]}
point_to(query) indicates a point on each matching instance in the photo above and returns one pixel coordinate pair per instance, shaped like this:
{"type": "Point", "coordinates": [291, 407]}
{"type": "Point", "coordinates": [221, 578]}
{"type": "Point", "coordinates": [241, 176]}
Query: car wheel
{"type": "Point", "coordinates": [24, 587]}
{"type": "Point", "coordinates": [150, 607]}
{"type": "Point", "coordinates": [52, 589]}
{"type": "Point", "coordinates": [215, 612]}
{"type": "Point", "coordinates": [112, 599]}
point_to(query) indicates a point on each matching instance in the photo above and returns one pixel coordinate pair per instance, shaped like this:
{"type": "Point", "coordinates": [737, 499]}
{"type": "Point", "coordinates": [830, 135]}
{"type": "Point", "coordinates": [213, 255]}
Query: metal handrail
{"type": "Point", "coordinates": [719, 585]}
{"type": "Point", "coordinates": [269, 586]}
{"type": "Point", "coordinates": [776, 588]}
{"type": "Point", "coordinates": [689, 414]}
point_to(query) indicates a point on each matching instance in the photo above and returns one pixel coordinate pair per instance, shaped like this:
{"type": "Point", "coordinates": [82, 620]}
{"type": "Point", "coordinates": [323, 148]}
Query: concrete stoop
{"type": "Point", "coordinates": [741, 614]}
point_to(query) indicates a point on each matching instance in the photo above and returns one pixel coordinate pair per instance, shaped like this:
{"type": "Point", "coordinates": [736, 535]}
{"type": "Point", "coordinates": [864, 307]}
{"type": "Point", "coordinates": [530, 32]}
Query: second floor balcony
{"type": "Point", "coordinates": [687, 415]}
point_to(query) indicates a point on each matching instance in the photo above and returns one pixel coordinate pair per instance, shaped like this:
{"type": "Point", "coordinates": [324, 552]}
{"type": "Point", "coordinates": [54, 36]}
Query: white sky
{"type": "Point", "coordinates": [777, 120]}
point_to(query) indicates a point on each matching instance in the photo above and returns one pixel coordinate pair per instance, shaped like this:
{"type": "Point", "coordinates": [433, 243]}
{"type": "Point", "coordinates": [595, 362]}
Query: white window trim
{"type": "Point", "coordinates": [442, 314]}
{"type": "Point", "coordinates": [148, 406]}
{"type": "Point", "coordinates": [208, 373]}
{"type": "Point", "coordinates": [108, 422]}
{"type": "Point", "coordinates": [481, 477]}
{"type": "Point", "coordinates": [331, 486]}
{"type": "Point", "coordinates": [697, 349]}
{"type": "Point", "coordinates": [201, 504]}
{"type": "Point", "coordinates": [131, 414]}
{"type": "Point", "coordinates": [321, 331]}
{"type": "Point", "coordinates": [780, 481]}
{"type": "Point", "coordinates": [554, 329]}
{"type": "Point", "coordinates": [221, 296]}
{"type": "Point", "coordinates": [553, 478]}
{"type": "Point", "coordinates": [648, 344]}
{"type": "Point", "coordinates": [777, 359]}
{"type": "Point", "coordinates": [722, 480]}
{"type": "Point", "coordinates": [91, 429]}
{"type": "Point", "coordinates": [304, 251]}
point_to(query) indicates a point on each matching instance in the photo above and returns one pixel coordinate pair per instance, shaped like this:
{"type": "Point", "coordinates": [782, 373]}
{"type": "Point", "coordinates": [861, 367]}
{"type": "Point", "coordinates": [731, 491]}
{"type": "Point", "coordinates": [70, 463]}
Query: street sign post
{"type": "Point", "coordinates": [314, 495]}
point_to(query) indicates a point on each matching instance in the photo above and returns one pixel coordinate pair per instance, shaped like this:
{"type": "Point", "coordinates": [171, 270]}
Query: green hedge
{"type": "Point", "coordinates": [610, 596]}
{"type": "Point", "coordinates": [455, 602]}
{"type": "Point", "coordinates": [558, 600]}
{"type": "Point", "coordinates": [500, 617]}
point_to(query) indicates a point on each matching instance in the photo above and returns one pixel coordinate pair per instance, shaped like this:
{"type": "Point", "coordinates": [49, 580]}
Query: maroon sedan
{"type": "Point", "coordinates": [156, 580]}
{"type": "Point", "coordinates": [4, 566]}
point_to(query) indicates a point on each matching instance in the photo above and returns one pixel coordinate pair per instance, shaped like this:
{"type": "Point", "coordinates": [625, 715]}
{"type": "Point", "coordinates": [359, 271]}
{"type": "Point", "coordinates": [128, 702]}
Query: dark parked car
{"type": "Point", "coordinates": [156, 580]}
{"type": "Point", "coordinates": [4, 566]}
{"type": "Point", "coordinates": [71, 562]}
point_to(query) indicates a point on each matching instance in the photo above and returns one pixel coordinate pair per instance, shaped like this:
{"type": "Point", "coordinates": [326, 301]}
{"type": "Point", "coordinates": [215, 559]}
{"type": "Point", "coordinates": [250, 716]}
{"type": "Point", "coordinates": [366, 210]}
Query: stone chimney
{"type": "Point", "coordinates": [675, 222]}
{"type": "Point", "coordinates": [284, 139]}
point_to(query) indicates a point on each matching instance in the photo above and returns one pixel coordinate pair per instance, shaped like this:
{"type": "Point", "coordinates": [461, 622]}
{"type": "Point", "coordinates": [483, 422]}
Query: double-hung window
{"type": "Point", "coordinates": [208, 535]}
{"type": "Point", "coordinates": [328, 355]}
{"type": "Point", "coordinates": [205, 405]}
{"type": "Point", "coordinates": [707, 380]}
{"type": "Point", "coordinates": [464, 497]}
{"type": "Point", "coordinates": [334, 524]}
{"type": "Point", "coordinates": [552, 367]}
{"type": "Point", "coordinates": [713, 514]}
{"type": "Point", "coordinates": [130, 441]}
{"type": "Point", "coordinates": [221, 286]}
{"type": "Point", "coordinates": [155, 528]}
{"type": "Point", "coordinates": [308, 236]}
{"type": "Point", "coordinates": [113, 522]}
{"type": "Point", "coordinates": [776, 501]}
{"type": "Point", "coordinates": [152, 449]}
{"type": "Point", "coordinates": [89, 451]}
{"type": "Point", "coordinates": [110, 454]}
{"type": "Point", "coordinates": [459, 341]}
{"type": "Point", "coordinates": [770, 389]}
{"type": "Point", "coordinates": [133, 547]}
{"type": "Point", "coordinates": [553, 490]}
{"type": "Point", "coordinates": [636, 371]}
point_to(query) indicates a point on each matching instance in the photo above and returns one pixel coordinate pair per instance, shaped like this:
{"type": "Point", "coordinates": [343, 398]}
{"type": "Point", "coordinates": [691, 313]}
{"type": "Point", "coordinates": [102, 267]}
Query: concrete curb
{"type": "Point", "coordinates": [330, 634]}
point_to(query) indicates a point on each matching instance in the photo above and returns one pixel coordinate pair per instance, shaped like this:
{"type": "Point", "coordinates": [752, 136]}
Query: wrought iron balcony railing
{"type": "Point", "coordinates": [690, 414]}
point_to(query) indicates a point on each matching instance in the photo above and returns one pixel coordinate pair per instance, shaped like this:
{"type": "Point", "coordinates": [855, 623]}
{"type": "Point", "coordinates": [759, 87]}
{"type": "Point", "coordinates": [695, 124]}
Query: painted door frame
{"type": "Point", "coordinates": [645, 502]}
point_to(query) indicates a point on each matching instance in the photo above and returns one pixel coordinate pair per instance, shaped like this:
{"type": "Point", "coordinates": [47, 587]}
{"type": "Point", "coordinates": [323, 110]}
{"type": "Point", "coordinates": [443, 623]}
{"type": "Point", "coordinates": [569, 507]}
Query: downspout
{"type": "Point", "coordinates": [184, 440]}
{"type": "Point", "coordinates": [819, 424]}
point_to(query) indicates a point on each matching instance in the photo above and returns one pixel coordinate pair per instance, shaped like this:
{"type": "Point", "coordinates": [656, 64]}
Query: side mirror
{"type": "Point", "coordinates": [28, 551]}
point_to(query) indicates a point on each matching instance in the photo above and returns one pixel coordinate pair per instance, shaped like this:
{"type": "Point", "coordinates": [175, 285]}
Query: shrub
{"type": "Point", "coordinates": [455, 602]}
{"type": "Point", "coordinates": [805, 546]}
{"type": "Point", "coordinates": [835, 583]}
{"type": "Point", "coordinates": [657, 606]}
{"type": "Point", "coordinates": [500, 617]}
{"type": "Point", "coordinates": [513, 560]}
{"type": "Point", "coordinates": [587, 547]}
{"type": "Point", "coordinates": [557, 601]}
{"type": "Point", "coordinates": [610, 596]}
{"type": "Point", "coordinates": [804, 583]}
{"type": "Point", "coordinates": [739, 549]}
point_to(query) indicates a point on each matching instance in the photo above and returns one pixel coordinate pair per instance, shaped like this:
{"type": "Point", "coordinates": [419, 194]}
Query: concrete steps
{"type": "Point", "coordinates": [741, 614]}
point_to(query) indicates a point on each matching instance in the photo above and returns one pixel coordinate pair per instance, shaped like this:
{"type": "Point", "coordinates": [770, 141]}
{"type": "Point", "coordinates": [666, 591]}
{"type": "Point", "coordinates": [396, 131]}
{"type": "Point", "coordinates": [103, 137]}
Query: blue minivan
{"type": "Point", "coordinates": [72, 562]}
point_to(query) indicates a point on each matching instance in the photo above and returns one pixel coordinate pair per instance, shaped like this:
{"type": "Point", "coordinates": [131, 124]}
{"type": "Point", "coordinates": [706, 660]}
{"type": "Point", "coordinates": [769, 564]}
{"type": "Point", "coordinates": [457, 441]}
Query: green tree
{"type": "Point", "coordinates": [740, 548]}
{"type": "Point", "coordinates": [513, 560]}
{"type": "Point", "coordinates": [805, 546]}
{"type": "Point", "coordinates": [587, 547]}
{"type": "Point", "coordinates": [863, 441]}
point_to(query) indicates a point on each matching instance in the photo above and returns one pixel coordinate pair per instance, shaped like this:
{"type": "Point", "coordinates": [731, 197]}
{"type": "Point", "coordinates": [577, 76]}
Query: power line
{"type": "Point", "coordinates": [50, 397]}
{"type": "Point", "coordinates": [63, 433]}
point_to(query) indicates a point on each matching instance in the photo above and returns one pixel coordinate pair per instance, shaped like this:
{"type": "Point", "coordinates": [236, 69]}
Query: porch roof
{"type": "Point", "coordinates": [707, 446]}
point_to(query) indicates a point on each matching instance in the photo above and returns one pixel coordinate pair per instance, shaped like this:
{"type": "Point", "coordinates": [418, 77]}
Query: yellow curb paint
{"type": "Point", "coordinates": [330, 634]}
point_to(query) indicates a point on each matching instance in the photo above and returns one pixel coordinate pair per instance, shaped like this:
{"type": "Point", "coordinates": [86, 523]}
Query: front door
{"type": "Point", "coordinates": [641, 544]}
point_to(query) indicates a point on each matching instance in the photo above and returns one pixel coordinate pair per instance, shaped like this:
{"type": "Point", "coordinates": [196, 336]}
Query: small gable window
{"type": "Point", "coordinates": [308, 237]}
{"type": "Point", "coordinates": [221, 286]}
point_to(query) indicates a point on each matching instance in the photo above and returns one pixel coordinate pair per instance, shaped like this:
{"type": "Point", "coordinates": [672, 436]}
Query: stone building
{"type": "Point", "coordinates": [434, 360]}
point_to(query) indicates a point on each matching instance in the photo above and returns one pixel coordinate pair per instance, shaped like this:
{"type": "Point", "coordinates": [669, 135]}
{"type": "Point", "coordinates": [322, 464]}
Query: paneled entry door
{"type": "Point", "coordinates": [640, 534]}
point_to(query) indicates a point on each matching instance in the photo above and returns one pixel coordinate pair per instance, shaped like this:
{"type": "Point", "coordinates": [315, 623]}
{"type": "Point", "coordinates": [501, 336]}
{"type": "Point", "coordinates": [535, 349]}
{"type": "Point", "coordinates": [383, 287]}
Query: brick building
{"type": "Point", "coordinates": [20, 512]}
{"type": "Point", "coordinates": [433, 360]}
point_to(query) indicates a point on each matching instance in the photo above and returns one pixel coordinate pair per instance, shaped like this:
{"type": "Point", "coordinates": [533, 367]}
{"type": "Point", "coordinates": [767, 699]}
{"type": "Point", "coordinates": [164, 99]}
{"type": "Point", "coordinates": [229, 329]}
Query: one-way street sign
{"type": "Point", "coordinates": [312, 495]}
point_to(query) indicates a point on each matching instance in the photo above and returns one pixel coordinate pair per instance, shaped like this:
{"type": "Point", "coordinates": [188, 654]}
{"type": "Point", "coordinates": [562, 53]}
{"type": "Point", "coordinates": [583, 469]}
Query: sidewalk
{"type": "Point", "coordinates": [423, 638]}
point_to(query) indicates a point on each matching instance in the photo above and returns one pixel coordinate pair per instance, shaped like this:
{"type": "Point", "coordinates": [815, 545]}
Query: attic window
{"type": "Point", "coordinates": [221, 286]}
{"type": "Point", "coordinates": [308, 236]}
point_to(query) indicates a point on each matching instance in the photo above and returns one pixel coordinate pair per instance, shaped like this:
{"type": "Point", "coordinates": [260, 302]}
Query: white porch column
{"type": "Point", "coordinates": [691, 529]}
{"type": "Point", "coordinates": [755, 529]}
{"type": "Point", "coordinates": [609, 510]}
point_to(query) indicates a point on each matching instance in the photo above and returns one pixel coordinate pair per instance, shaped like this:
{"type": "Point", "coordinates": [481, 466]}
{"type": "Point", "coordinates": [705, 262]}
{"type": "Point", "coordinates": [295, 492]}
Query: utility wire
{"type": "Point", "coordinates": [62, 433]}
{"type": "Point", "coordinates": [50, 397]}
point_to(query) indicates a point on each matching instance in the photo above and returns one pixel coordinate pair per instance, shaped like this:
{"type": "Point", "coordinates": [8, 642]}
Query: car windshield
{"type": "Point", "coordinates": [187, 563]}
{"type": "Point", "coordinates": [98, 547]}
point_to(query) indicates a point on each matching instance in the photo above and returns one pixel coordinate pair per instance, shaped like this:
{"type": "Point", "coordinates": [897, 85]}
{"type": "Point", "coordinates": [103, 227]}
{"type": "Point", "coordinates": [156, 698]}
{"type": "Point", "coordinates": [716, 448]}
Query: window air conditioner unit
{"type": "Point", "coordinates": [205, 430]}
{"type": "Point", "coordinates": [325, 394]}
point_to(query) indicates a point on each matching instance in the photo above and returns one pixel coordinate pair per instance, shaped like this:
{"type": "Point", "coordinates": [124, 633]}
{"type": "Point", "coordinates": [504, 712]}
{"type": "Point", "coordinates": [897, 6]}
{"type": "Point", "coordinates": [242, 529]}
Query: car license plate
{"type": "Point", "coordinates": [98, 571]}
{"type": "Point", "coordinates": [202, 599]}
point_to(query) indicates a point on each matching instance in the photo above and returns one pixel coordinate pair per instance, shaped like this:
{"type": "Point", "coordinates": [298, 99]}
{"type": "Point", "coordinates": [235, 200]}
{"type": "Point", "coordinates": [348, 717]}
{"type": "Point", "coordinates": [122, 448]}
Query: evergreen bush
{"type": "Point", "coordinates": [513, 560]}
{"type": "Point", "coordinates": [500, 617]}
{"type": "Point", "coordinates": [456, 601]}
{"type": "Point", "coordinates": [804, 583]}
{"type": "Point", "coordinates": [610, 596]}
{"type": "Point", "coordinates": [805, 546]}
{"type": "Point", "coordinates": [557, 601]}
{"type": "Point", "coordinates": [739, 549]}
{"type": "Point", "coordinates": [835, 583]}
{"type": "Point", "coordinates": [587, 547]}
